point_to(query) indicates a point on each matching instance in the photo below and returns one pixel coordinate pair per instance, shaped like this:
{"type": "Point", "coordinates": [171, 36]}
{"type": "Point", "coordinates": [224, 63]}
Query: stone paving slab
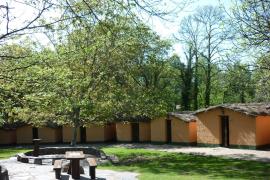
{"type": "Point", "coordinates": [25, 171]}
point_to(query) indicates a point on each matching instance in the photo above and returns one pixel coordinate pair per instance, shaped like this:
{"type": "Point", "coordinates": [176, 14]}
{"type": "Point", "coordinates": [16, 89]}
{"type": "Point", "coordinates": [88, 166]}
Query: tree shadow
{"type": "Point", "coordinates": [184, 164]}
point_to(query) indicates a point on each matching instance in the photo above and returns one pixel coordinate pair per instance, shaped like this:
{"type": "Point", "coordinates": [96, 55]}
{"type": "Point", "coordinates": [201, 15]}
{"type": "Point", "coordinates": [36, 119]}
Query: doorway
{"type": "Point", "coordinates": [135, 132]}
{"type": "Point", "coordinates": [83, 134]}
{"type": "Point", "coordinates": [35, 133]}
{"type": "Point", "coordinates": [169, 130]}
{"type": "Point", "coordinates": [225, 131]}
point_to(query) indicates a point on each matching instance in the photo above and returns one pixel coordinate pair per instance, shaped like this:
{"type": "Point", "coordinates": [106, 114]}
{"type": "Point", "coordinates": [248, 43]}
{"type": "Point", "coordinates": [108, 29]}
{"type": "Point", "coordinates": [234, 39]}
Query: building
{"type": "Point", "coordinates": [234, 125]}
{"type": "Point", "coordinates": [92, 133]}
{"type": "Point", "coordinates": [50, 133]}
{"type": "Point", "coordinates": [25, 134]}
{"type": "Point", "coordinates": [183, 128]}
{"type": "Point", "coordinates": [67, 133]}
{"type": "Point", "coordinates": [7, 135]}
{"type": "Point", "coordinates": [136, 130]}
{"type": "Point", "coordinates": [178, 128]}
{"type": "Point", "coordinates": [99, 133]}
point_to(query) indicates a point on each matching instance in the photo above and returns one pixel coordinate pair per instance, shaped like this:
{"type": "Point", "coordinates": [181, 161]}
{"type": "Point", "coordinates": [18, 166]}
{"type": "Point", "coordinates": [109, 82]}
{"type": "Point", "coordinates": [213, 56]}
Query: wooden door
{"type": "Point", "coordinates": [83, 134]}
{"type": "Point", "coordinates": [225, 131]}
{"type": "Point", "coordinates": [35, 133]}
{"type": "Point", "coordinates": [169, 130]}
{"type": "Point", "coordinates": [135, 132]}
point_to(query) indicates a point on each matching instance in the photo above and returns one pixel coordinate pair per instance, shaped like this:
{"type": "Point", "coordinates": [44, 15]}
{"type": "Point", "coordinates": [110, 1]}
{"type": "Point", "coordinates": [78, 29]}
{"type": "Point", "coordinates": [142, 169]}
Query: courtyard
{"type": "Point", "coordinates": [148, 161]}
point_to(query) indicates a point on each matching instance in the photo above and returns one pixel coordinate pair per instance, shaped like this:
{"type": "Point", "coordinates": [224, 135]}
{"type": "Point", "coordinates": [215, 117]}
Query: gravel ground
{"type": "Point", "coordinates": [245, 154]}
{"type": "Point", "coordinates": [24, 171]}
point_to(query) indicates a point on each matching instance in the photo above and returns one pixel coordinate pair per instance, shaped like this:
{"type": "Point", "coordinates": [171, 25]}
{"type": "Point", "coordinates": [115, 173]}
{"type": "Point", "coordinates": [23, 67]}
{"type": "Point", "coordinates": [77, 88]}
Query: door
{"type": "Point", "coordinates": [83, 134]}
{"type": "Point", "coordinates": [169, 130]}
{"type": "Point", "coordinates": [225, 131]}
{"type": "Point", "coordinates": [135, 132]}
{"type": "Point", "coordinates": [35, 133]}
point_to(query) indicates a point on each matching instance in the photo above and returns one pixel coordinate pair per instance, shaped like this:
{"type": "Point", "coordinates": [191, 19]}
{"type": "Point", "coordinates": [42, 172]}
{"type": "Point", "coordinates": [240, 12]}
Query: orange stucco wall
{"type": "Point", "coordinates": [180, 130]}
{"type": "Point", "coordinates": [24, 135]}
{"type": "Point", "coordinates": [158, 130]}
{"type": "Point", "coordinates": [123, 132]}
{"type": "Point", "coordinates": [95, 133]}
{"type": "Point", "coordinates": [7, 137]}
{"type": "Point", "coordinates": [208, 127]}
{"type": "Point", "coordinates": [67, 134]}
{"type": "Point", "coordinates": [145, 131]}
{"type": "Point", "coordinates": [263, 130]}
{"type": "Point", "coordinates": [242, 127]}
{"type": "Point", "coordinates": [192, 132]}
{"type": "Point", "coordinates": [49, 135]}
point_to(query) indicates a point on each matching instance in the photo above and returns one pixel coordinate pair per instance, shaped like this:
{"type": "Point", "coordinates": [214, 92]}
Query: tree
{"type": "Point", "coordinates": [187, 76]}
{"type": "Point", "coordinates": [189, 35]}
{"type": "Point", "coordinates": [144, 83]}
{"type": "Point", "coordinates": [13, 28]}
{"type": "Point", "coordinates": [252, 21]}
{"type": "Point", "coordinates": [213, 36]}
{"type": "Point", "coordinates": [240, 84]}
{"type": "Point", "coordinates": [261, 78]}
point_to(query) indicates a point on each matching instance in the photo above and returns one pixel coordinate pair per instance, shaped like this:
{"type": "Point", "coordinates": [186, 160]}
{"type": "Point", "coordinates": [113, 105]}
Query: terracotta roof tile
{"type": "Point", "coordinates": [184, 116]}
{"type": "Point", "coordinates": [254, 109]}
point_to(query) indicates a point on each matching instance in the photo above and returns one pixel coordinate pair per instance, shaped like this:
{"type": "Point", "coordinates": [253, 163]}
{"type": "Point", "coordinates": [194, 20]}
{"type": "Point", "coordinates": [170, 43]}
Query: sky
{"type": "Point", "coordinates": [165, 28]}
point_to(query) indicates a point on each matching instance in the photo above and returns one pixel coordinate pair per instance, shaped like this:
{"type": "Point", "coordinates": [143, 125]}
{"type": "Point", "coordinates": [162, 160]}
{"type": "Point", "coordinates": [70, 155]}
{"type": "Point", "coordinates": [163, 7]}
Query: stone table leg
{"type": "Point", "coordinates": [75, 168]}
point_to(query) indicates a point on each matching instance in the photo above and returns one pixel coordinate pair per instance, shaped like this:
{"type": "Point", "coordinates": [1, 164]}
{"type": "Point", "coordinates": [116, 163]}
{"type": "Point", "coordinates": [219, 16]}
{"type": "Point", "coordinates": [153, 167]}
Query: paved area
{"type": "Point", "coordinates": [24, 171]}
{"type": "Point", "coordinates": [245, 154]}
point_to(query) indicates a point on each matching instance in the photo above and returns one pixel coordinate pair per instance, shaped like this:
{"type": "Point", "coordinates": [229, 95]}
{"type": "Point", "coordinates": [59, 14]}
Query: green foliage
{"type": "Point", "coordinates": [261, 79]}
{"type": "Point", "coordinates": [240, 84]}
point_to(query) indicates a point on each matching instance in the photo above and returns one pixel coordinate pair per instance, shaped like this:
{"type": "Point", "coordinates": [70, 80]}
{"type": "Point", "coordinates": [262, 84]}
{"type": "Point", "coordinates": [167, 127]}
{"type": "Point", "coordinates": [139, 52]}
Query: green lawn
{"type": "Point", "coordinates": [155, 165]}
{"type": "Point", "coordinates": [11, 151]}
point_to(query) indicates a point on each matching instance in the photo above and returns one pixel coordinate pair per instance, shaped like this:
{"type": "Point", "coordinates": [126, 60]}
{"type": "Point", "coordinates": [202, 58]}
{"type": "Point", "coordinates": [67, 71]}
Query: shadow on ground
{"type": "Point", "coordinates": [185, 164]}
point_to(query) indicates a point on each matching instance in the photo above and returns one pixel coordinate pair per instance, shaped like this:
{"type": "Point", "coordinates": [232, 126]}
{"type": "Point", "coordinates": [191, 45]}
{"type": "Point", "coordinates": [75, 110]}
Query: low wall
{"type": "Point", "coordinates": [62, 150]}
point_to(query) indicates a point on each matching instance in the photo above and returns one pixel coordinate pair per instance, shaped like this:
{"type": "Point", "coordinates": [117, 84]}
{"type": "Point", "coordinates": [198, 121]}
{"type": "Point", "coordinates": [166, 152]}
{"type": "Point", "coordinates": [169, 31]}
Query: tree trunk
{"type": "Point", "coordinates": [76, 118]}
{"type": "Point", "coordinates": [196, 88]}
{"type": "Point", "coordinates": [188, 75]}
{"type": "Point", "coordinates": [208, 73]}
{"type": "Point", "coordinates": [208, 85]}
{"type": "Point", "coordinates": [74, 136]}
{"type": "Point", "coordinates": [242, 96]}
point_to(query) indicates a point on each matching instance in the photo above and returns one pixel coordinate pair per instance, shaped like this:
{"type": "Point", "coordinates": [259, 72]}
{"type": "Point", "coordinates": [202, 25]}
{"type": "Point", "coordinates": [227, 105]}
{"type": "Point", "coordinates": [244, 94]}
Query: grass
{"type": "Point", "coordinates": [7, 152]}
{"type": "Point", "coordinates": [155, 165]}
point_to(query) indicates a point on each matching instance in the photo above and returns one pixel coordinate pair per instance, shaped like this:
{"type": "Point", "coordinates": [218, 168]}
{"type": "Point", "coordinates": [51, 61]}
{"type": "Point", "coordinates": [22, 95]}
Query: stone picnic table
{"type": "Point", "coordinates": [75, 157]}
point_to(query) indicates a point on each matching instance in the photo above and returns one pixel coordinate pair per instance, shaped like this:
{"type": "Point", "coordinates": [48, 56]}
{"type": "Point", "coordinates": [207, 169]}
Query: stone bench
{"type": "Point", "coordinates": [57, 168]}
{"type": "Point", "coordinates": [22, 158]}
{"type": "Point", "coordinates": [92, 167]}
{"type": "Point", "coordinates": [3, 173]}
{"type": "Point", "coordinates": [25, 159]}
{"type": "Point", "coordinates": [38, 160]}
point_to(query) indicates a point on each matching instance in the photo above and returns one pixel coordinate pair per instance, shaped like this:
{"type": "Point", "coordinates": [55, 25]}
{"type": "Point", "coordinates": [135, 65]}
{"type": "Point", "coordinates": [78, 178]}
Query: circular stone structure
{"type": "Point", "coordinates": [62, 150]}
{"type": "Point", "coordinates": [53, 153]}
